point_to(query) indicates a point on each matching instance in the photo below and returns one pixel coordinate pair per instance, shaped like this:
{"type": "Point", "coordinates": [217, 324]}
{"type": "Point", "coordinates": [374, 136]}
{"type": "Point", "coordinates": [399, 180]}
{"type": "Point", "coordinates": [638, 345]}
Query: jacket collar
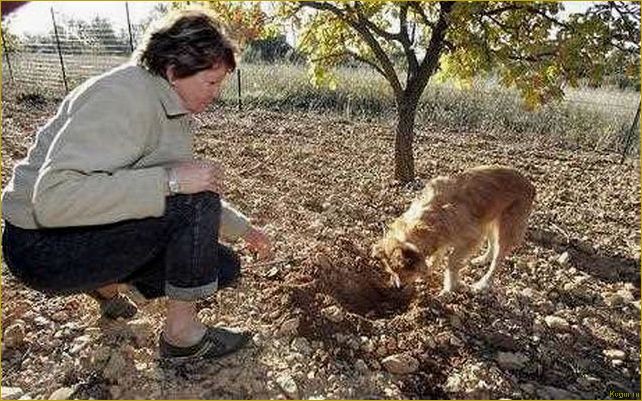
{"type": "Point", "coordinates": [168, 97]}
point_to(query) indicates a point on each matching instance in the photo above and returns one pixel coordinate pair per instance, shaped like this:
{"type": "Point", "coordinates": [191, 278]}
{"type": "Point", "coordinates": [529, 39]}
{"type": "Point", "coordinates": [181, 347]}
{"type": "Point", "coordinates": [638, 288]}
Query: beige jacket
{"type": "Point", "coordinates": [101, 158]}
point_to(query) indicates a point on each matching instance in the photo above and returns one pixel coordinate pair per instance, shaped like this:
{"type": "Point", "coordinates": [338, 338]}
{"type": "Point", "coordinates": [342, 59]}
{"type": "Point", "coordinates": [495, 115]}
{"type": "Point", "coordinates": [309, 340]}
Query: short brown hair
{"type": "Point", "coordinates": [188, 40]}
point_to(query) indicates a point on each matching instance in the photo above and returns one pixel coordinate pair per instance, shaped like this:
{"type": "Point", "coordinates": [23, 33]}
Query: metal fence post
{"type": "Point", "coordinates": [629, 137]}
{"type": "Point", "coordinates": [129, 26]}
{"type": "Point", "coordinates": [6, 55]}
{"type": "Point", "coordinates": [238, 86]}
{"type": "Point", "coordinates": [62, 63]}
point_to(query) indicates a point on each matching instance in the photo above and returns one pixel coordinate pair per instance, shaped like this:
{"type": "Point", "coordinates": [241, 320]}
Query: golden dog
{"type": "Point", "coordinates": [458, 213]}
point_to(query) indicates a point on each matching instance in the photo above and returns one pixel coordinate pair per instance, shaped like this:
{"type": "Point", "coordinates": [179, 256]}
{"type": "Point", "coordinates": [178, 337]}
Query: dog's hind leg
{"type": "Point", "coordinates": [490, 232]}
{"type": "Point", "coordinates": [509, 234]}
{"type": "Point", "coordinates": [487, 255]}
{"type": "Point", "coordinates": [497, 256]}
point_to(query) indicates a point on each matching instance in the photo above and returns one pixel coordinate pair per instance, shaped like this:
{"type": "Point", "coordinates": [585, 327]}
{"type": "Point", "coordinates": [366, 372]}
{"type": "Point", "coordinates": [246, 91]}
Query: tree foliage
{"type": "Point", "coordinates": [246, 20]}
{"type": "Point", "coordinates": [527, 44]}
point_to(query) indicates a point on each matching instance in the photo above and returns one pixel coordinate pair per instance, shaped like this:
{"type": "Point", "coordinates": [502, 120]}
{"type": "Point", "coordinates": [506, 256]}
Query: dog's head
{"type": "Point", "coordinates": [401, 259]}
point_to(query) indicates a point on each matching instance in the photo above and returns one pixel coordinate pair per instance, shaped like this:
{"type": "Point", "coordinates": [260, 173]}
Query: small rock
{"type": "Point", "coordinates": [323, 261]}
{"type": "Point", "coordinates": [527, 388]}
{"type": "Point", "coordinates": [554, 393]}
{"type": "Point", "coordinates": [614, 354]}
{"type": "Point", "coordinates": [557, 323]}
{"type": "Point", "coordinates": [302, 345]}
{"type": "Point", "coordinates": [272, 273]}
{"type": "Point", "coordinates": [14, 335]}
{"type": "Point", "coordinates": [333, 313]}
{"type": "Point", "coordinates": [400, 364]}
{"type": "Point", "coordinates": [117, 365]}
{"type": "Point", "coordinates": [142, 331]}
{"type": "Point", "coordinates": [41, 321]}
{"type": "Point", "coordinates": [614, 300]}
{"type": "Point", "coordinates": [502, 341]}
{"type": "Point", "coordinates": [289, 327]}
{"type": "Point", "coordinates": [510, 360]}
{"type": "Point", "coordinates": [79, 344]}
{"type": "Point", "coordinates": [288, 385]}
{"type": "Point", "coordinates": [361, 366]}
{"type": "Point", "coordinates": [63, 393]}
{"type": "Point", "coordinates": [586, 382]}
{"type": "Point", "coordinates": [11, 393]}
{"type": "Point", "coordinates": [563, 259]}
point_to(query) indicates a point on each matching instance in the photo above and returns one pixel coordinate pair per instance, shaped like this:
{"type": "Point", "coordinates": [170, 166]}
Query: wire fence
{"type": "Point", "coordinates": [73, 50]}
{"type": "Point", "coordinates": [69, 52]}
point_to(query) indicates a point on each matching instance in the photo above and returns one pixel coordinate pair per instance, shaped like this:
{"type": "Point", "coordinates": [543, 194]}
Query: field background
{"type": "Point", "coordinates": [587, 118]}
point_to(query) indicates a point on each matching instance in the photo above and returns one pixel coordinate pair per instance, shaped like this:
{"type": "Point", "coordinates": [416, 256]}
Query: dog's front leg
{"type": "Point", "coordinates": [451, 273]}
{"type": "Point", "coordinates": [436, 258]}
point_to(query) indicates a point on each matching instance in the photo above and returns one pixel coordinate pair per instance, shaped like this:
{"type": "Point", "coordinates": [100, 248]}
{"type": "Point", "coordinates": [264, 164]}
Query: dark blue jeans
{"type": "Point", "coordinates": [177, 255]}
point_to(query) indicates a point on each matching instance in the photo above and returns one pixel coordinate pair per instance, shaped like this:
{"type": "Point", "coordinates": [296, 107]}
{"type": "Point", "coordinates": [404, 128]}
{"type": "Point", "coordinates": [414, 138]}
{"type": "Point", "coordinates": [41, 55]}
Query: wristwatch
{"type": "Point", "coordinates": [172, 182]}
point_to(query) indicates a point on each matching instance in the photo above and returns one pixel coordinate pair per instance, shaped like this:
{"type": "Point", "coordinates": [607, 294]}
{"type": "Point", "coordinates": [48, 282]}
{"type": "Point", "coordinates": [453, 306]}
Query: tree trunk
{"type": "Point", "coordinates": [404, 158]}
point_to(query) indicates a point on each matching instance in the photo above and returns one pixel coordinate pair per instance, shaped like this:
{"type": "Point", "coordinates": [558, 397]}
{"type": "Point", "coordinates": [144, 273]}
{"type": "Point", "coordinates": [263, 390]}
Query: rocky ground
{"type": "Point", "coordinates": [563, 320]}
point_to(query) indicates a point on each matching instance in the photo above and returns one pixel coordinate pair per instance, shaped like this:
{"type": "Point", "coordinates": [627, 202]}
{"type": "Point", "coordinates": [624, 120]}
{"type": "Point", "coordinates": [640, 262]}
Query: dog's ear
{"type": "Point", "coordinates": [410, 246]}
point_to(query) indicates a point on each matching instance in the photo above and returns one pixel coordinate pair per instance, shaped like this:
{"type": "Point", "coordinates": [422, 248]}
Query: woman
{"type": "Point", "coordinates": [110, 192]}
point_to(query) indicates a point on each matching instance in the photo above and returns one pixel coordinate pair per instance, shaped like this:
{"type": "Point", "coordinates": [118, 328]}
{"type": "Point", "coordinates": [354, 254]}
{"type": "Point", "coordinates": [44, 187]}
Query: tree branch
{"type": "Point", "coordinates": [411, 56]}
{"type": "Point", "coordinates": [431, 59]}
{"type": "Point", "coordinates": [372, 26]}
{"type": "Point", "coordinates": [386, 65]}
{"type": "Point", "coordinates": [416, 5]}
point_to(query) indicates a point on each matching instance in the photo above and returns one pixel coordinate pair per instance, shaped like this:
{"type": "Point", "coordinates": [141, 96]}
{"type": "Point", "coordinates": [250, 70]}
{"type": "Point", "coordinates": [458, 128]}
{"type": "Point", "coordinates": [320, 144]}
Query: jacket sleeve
{"type": "Point", "coordinates": [86, 178]}
{"type": "Point", "coordinates": [233, 223]}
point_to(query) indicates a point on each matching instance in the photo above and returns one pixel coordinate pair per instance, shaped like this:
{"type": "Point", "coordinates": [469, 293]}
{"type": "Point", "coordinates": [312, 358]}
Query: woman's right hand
{"type": "Point", "coordinates": [199, 176]}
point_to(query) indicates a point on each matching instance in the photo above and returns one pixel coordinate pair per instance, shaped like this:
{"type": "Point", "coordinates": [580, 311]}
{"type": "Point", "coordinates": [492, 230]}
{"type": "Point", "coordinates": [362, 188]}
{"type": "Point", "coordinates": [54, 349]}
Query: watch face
{"type": "Point", "coordinates": [174, 187]}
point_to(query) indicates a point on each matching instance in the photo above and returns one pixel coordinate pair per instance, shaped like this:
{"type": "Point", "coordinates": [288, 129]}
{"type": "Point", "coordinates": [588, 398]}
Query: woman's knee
{"type": "Point", "coordinates": [201, 208]}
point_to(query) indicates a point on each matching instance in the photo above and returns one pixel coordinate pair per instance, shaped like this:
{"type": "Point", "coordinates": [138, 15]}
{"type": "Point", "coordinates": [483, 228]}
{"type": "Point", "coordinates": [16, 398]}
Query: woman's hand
{"type": "Point", "coordinates": [260, 243]}
{"type": "Point", "coordinates": [199, 176]}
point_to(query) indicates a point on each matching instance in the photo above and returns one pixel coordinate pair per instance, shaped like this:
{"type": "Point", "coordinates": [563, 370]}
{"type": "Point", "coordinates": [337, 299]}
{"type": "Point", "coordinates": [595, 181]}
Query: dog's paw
{"type": "Point", "coordinates": [480, 287]}
{"type": "Point", "coordinates": [446, 295]}
{"type": "Point", "coordinates": [479, 260]}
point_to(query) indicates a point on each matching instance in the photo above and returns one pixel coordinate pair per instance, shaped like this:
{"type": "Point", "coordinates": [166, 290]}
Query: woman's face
{"type": "Point", "coordinates": [199, 90]}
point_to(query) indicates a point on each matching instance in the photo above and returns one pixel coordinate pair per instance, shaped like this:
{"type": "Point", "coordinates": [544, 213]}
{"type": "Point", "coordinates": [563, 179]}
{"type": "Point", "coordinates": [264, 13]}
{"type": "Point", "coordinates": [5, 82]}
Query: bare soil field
{"type": "Point", "coordinates": [562, 321]}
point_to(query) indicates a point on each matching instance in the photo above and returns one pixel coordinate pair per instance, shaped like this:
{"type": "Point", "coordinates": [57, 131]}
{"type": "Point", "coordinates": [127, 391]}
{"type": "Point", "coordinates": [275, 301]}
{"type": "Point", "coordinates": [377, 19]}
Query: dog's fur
{"type": "Point", "coordinates": [486, 202]}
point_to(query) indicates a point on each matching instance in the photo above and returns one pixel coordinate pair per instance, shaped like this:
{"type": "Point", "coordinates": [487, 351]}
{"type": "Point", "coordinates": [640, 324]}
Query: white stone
{"type": "Point", "coordinates": [563, 259]}
{"type": "Point", "coordinates": [614, 354]}
{"type": "Point", "coordinates": [63, 393]}
{"type": "Point", "coordinates": [11, 393]}
{"type": "Point", "coordinates": [288, 385]}
{"type": "Point", "coordinates": [557, 323]}
{"type": "Point", "coordinates": [400, 364]}
{"type": "Point", "coordinates": [302, 345]}
{"type": "Point", "coordinates": [333, 313]}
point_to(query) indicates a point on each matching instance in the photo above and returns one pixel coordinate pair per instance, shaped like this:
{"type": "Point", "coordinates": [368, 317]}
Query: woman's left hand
{"type": "Point", "coordinates": [260, 243]}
